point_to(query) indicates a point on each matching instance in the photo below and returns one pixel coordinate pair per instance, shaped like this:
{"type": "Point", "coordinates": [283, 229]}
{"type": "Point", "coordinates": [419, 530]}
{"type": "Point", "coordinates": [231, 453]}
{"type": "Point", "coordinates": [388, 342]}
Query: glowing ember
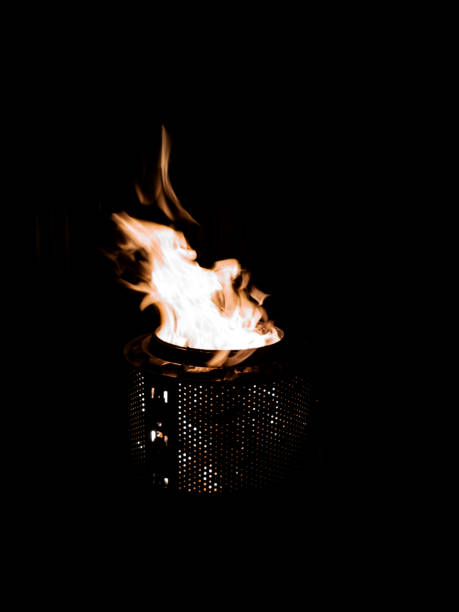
{"type": "Point", "coordinates": [212, 309]}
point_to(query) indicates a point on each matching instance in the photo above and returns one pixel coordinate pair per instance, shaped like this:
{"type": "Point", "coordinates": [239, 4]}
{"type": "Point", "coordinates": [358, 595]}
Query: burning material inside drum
{"type": "Point", "coordinates": [199, 422]}
{"type": "Point", "coordinates": [216, 309]}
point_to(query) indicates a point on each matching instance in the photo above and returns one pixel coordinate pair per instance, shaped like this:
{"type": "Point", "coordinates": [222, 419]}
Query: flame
{"type": "Point", "coordinates": [164, 194]}
{"type": "Point", "coordinates": [213, 309]}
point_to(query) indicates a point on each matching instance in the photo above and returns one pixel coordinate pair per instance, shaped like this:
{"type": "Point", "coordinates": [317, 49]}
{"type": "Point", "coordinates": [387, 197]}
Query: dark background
{"type": "Point", "coordinates": [287, 179]}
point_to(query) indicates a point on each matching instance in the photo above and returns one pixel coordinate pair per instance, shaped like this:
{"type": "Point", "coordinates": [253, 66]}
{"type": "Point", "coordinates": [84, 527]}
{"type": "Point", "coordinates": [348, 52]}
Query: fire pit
{"type": "Point", "coordinates": [204, 430]}
{"type": "Point", "coordinates": [214, 405]}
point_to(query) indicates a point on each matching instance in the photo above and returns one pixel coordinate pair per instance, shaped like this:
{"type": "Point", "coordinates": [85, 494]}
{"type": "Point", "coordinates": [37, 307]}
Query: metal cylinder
{"type": "Point", "coordinates": [216, 432]}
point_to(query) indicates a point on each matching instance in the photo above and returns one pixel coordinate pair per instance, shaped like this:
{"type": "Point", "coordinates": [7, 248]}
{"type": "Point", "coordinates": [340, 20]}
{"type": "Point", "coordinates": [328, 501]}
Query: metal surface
{"type": "Point", "coordinates": [215, 432]}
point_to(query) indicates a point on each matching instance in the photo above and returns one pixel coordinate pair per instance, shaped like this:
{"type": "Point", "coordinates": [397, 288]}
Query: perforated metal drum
{"type": "Point", "coordinates": [210, 431]}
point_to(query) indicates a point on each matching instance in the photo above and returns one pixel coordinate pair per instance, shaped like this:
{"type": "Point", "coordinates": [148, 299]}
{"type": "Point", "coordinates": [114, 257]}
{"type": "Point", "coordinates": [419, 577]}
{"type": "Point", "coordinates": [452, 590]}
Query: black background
{"type": "Point", "coordinates": [285, 174]}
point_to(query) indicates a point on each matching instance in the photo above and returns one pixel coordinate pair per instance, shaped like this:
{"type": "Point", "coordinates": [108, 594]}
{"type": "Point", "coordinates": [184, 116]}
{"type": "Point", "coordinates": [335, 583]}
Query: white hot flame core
{"type": "Point", "coordinates": [199, 307]}
{"type": "Point", "coordinates": [211, 309]}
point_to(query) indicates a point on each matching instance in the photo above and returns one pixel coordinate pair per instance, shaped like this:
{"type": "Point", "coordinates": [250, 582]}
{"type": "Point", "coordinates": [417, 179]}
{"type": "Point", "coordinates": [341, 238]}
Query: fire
{"type": "Point", "coordinates": [213, 309]}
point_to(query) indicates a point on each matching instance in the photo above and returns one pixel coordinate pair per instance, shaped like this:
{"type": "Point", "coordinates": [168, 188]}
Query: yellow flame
{"type": "Point", "coordinates": [164, 195]}
{"type": "Point", "coordinates": [212, 309]}
{"type": "Point", "coordinates": [199, 307]}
